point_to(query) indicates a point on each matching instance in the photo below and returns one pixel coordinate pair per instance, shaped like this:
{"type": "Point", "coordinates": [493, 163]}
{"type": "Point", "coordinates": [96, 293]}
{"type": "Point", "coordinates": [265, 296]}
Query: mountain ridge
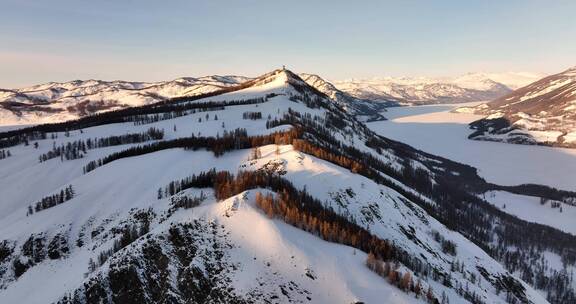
{"type": "Point", "coordinates": [175, 200]}
{"type": "Point", "coordinates": [60, 101]}
{"type": "Point", "coordinates": [56, 102]}
{"type": "Point", "coordinates": [425, 90]}
{"type": "Point", "coordinates": [540, 113]}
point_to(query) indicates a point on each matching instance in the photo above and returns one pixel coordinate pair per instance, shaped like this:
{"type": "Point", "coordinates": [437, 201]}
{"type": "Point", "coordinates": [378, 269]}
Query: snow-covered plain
{"type": "Point", "coordinates": [530, 209]}
{"type": "Point", "coordinates": [435, 129]}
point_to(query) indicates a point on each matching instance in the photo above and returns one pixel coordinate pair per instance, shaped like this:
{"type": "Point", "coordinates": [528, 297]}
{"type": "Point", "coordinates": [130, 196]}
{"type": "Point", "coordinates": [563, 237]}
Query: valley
{"type": "Point", "coordinates": [435, 129]}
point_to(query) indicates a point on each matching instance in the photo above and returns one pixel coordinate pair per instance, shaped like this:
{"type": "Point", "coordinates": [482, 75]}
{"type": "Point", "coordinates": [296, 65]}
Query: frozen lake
{"type": "Point", "coordinates": [435, 130]}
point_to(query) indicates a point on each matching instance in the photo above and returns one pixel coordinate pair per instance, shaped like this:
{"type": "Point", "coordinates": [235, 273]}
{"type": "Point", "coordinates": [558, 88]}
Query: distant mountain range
{"type": "Point", "coordinates": [543, 112]}
{"type": "Point", "coordinates": [423, 90]}
{"type": "Point", "coordinates": [56, 102]}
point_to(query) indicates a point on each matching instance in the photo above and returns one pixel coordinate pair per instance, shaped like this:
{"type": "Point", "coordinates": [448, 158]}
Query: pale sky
{"type": "Point", "coordinates": [57, 40]}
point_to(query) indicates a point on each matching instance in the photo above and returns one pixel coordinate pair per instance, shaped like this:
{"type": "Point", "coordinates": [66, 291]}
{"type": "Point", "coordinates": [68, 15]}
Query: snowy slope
{"type": "Point", "coordinates": [228, 250]}
{"type": "Point", "coordinates": [534, 209]}
{"type": "Point", "coordinates": [540, 113]}
{"type": "Point", "coordinates": [485, 81]}
{"type": "Point", "coordinates": [96, 208]}
{"type": "Point", "coordinates": [54, 102]}
{"type": "Point", "coordinates": [424, 90]}
{"type": "Point", "coordinates": [352, 104]}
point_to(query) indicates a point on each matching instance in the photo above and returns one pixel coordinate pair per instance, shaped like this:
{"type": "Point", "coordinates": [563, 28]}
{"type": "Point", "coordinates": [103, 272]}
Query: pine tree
{"type": "Point", "coordinates": [379, 269]}
{"type": "Point", "coordinates": [444, 298]}
{"type": "Point", "coordinates": [386, 270]}
{"type": "Point", "coordinates": [393, 277]}
{"type": "Point", "coordinates": [255, 154]}
{"type": "Point", "coordinates": [92, 266]}
{"type": "Point", "coordinates": [405, 281]}
{"type": "Point", "coordinates": [430, 294]}
{"type": "Point", "coordinates": [371, 261]}
{"type": "Point", "coordinates": [418, 288]}
{"type": "Point", "coordinates": [67, 194]}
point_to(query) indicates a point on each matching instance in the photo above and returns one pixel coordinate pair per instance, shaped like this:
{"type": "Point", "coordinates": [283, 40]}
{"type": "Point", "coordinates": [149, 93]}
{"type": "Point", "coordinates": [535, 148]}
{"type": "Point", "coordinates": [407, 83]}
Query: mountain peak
{"type": "Point", "coordinates": [280, 77]}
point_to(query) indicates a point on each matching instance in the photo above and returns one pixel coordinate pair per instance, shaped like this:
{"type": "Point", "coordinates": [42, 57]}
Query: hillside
{"type": "Point", "coordinates": [364, 109]}
{"type": "Point", "coordinates": [539, 113]}
{"type": "Point", "coordinates": [57, 102]}
{"type": "Point", "coordinates": [266, 191]}
{"type": "Point", "coordinates": [424, 90]}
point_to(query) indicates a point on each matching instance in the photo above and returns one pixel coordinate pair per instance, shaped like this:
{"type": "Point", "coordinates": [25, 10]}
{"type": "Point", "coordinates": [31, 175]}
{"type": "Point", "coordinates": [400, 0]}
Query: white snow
{"type": "Point", "coordinates": [435, 129]}
{"type": "Point", "coordinates": [513, 80]}
{"type": "Point", "coordinates": [341, 275]}
{"type": "Point", "coordinates": [530, 209]}
{"type": "Point", "coordinates": [106, 196]}
{"type": "Point", "coordinates": [464, 88]}
{"type": "Point", "coordinates": [112, 94]}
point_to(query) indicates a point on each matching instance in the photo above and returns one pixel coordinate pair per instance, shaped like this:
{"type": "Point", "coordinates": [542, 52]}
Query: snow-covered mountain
{"type": "Point", "coordinates": [543, 112]}
{"type": "Point", "coordinates": [57, 102]}
{"type": "Point", "coordinates": [365, 109]}
{"type": "Point", "coordinates": [482, 81]}
{"type": "Point", "coordinates": [270, 191]}
{"type": "Point", "coordinates": [423, 90]}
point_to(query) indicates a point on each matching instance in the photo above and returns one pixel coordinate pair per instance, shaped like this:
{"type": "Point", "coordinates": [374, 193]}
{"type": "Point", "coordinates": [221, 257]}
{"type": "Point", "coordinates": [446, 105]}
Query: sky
{"type": "Point", "coordinates": [42, 41]}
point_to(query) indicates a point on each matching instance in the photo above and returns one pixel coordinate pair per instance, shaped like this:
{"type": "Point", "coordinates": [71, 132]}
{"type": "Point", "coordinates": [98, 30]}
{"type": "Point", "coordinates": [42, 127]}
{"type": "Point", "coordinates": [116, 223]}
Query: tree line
{"type": "Point", "coordinates": [202, 180]}
{"type": "Point", "coordinates": [138, 115]}
{"type": "Point", "coordinates": [5, 154]}
{"type": "Point", "coordinates": [234, 140]}
{"type": "Point", "coordinates": [252, 115]}
{"type": "Point", "coordinates": [298, 208]}
{"type": "Point", "coordinates": [404, 282]}
{"type": "Point", "coordinates": [77, 149]}
{"type": "Point", "coordinates": [544, 192]}
{"type": "Point", "coordinates": [61, 197]}
{"type": "Point", "coordinates": [315, 102]}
